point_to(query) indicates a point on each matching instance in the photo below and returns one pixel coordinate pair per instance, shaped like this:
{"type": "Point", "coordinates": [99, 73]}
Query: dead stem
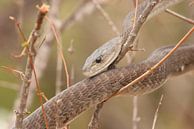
{"type": "Point", "coordinates": [29, 70]}
{"type": "Point", "coordinates": [190, 21]}
{"type": "Point", "coordinates": [107, 17]}
{"type": "Point", "coordinates": [156, 113]}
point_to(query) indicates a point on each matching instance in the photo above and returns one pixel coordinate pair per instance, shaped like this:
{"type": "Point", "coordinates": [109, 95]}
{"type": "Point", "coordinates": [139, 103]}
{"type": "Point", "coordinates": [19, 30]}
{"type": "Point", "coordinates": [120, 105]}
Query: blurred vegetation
{"type": "Point", "coordinates": [177, 108]}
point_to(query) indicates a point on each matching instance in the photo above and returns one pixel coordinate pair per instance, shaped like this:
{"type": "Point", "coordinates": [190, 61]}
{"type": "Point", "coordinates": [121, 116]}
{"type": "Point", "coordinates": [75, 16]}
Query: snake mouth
{"type": "Point", "coordinates": [90, 73]}
{"type": "Point", "coordinates": [87, 72]}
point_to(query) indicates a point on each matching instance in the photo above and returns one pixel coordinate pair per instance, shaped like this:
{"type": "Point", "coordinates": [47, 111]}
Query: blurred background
{"type": "Point", "coordinates": [80, 37]}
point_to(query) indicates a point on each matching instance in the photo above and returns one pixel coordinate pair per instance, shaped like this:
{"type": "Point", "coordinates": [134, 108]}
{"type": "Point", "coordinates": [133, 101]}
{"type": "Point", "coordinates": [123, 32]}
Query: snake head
{"type": "Point", "coordinates": [102, 57]}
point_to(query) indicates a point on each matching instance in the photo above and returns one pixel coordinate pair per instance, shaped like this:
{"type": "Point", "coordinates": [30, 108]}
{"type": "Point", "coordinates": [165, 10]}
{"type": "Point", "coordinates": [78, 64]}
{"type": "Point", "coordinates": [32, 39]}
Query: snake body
{"type": "Point", "coordinates": [68, 104]}
{"type": "Point", "coordinates": [113, 50]}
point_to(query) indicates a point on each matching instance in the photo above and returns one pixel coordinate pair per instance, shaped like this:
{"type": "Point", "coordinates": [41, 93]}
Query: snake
{"type": "Point", "coordinates": [112, 51]}
{"type": "Point", "coordinates": [70, 103]}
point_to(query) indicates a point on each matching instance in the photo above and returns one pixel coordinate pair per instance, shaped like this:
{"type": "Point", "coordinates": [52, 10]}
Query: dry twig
{"type": "Point", "coordinates": [107, 17]}
{"type": "Point", "coordinates": [135, 119]}
{"type": "Point", "coordinates": [156, 113]}
{"type": "Point", "coordinates": [190, 21]}
{"type": "Point", "coordinates": [60, 50]}
{"type": "Point", "coordinates": [28, 71]}
{"type": "Point", "coordinates": [71, 51]}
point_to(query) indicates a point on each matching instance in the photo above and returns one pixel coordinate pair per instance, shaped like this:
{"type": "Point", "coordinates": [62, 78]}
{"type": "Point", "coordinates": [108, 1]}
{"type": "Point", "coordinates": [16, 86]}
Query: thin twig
{"type": "Point", "coordinates": [14, 71]}
{"type": "Point", "coordinates": [28, 71]}
{"type": "Point", "coordinates": [20, 6]}
{"type": "Point", "coordinates": [71, 51]}
{"type": "Point", "coordinates": [59, 70]}
{"type": "Point", "coordinates": [54, 12]}
{"type": "Point", "coordinates": [40, 96]}
{"type": "Point", "coordinates": [135, 119]}
{"type": "Point", "coordinates": [159, 63]}
{"type": "Point", "coordinates": [156, 113]}
{"type": "Point", "coordinates": [190, 21]}
{"type": "Point", "coordinates": [107, 17]}
{"type": "Point", "coordinates": [60, 50]}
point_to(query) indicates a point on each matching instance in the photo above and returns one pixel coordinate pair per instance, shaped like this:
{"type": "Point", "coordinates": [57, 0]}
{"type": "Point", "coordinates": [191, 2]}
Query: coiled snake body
{"type": "Point", "coordinates": [71, 102]}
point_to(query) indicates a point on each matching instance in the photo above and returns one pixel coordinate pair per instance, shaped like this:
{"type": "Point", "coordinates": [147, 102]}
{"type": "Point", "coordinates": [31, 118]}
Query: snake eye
{"type": "Point", "coordinates": [98, 59]}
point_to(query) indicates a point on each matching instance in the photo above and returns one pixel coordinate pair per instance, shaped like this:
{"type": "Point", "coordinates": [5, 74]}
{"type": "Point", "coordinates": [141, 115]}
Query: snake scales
{"type": "Point", "coordinates": [71, 102]}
